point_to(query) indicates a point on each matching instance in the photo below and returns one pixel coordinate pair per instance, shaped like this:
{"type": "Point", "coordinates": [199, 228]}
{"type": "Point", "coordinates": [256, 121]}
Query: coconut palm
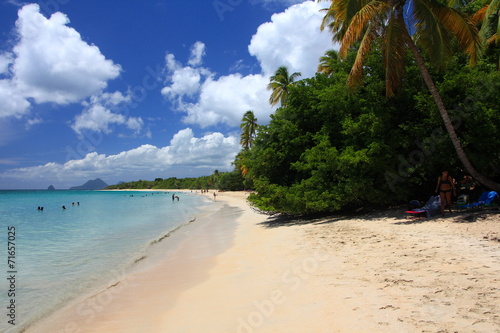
{"type": "Point", "coordinates": [279, 83]}
{"type": "Point", "coordinates": [328, 61]}
{"type": "Point", "coordinates": [432, 24]}
{"type": "Point", "coordinates": [489, 18]}
{"type": "Point", "coordinates": [248, 128]}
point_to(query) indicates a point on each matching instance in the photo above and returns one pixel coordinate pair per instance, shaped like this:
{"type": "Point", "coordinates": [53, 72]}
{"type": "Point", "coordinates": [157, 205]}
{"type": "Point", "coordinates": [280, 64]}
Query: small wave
{"type": "Point", "coordinates": [170, 232]}
{"type": "Point", "coordinates": [139, 259]}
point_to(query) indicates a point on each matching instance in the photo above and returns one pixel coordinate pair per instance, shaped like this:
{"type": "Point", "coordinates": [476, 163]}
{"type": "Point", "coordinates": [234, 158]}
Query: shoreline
{"type": "Point", "coordinates": [378, 272]}
{"type": "Point", "coordinates": [86, 307]}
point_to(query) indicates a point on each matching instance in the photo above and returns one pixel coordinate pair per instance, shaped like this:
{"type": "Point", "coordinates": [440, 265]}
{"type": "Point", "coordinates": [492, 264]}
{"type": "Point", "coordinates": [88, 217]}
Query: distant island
{"type": "Point", "coordinates": [51, 188]}
{"type": "Point", "coordinates": [96, 184]}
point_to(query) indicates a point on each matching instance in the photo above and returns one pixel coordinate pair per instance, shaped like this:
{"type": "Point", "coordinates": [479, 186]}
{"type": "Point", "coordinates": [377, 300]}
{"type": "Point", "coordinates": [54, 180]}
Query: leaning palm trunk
{"type": "Point", "coordinates": [444, 113]}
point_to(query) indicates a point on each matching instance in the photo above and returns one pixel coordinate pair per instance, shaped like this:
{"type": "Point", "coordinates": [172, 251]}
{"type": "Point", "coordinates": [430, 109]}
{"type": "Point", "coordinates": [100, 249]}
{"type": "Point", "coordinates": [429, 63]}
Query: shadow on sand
{"type": "Point", "coordinates": [395, 215]}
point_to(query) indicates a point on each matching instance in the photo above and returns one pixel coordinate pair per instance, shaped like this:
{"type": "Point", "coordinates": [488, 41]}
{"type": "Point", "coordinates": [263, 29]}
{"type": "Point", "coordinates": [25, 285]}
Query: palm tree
{"type": "Point", "coordinates": [248, 128]}
{"type": "Point", "coordinates": [489, 18]}
{"type": "Point", "coordinates": [279, 84]}
{"type": "Point", "coordinates": [433, 24]}
{"type": "Point", "coordinates": [328, 61]}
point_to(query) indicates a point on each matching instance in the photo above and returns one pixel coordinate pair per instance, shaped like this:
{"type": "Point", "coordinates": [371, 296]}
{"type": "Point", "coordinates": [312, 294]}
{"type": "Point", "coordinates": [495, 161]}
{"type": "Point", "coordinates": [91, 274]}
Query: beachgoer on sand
{"type": "Point", "coordinates": [445, 186]}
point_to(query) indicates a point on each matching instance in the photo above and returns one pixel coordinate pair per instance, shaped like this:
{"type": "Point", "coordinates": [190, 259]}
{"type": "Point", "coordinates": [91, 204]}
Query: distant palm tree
{"type": "Point", "coordinates": [328, 61]}
{"type": "Point", "coordinates": [279, 84]}
{"type": "Point", "coordinates": [434, 24]}
{"type": "Point", "coordinates": [248, 128]}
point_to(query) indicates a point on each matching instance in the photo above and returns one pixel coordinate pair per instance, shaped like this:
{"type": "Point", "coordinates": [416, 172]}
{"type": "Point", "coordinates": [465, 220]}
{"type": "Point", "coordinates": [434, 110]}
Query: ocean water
{"type": "Point", "coordinates": [60, 254]}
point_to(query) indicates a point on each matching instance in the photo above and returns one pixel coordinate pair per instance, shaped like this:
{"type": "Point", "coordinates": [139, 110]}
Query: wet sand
{"type": "Point", "coordinates": [241, 271]}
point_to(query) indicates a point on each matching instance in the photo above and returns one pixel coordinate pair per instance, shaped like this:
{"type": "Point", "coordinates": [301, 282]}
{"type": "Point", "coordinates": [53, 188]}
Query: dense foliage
{"type": "Point", "coordinates": [331, 148]}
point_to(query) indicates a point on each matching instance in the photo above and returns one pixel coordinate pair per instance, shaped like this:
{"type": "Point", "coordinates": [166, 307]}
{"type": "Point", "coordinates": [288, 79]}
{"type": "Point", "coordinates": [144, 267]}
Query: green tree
{"type": "Point", "coordinates": [434, 24]}
{"type": "Point", "coordinates": [248, 128]}
{"type": "Point", "coordinates": [280, 84]}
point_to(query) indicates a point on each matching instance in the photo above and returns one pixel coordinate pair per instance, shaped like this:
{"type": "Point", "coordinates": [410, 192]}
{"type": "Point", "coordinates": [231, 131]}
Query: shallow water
{"type": "Point", "coordinates": [62, 253]}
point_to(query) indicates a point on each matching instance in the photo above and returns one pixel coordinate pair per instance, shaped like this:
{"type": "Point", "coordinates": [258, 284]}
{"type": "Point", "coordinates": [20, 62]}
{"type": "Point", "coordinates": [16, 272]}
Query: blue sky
{"type": "Point", "coordinates": [128, 90]}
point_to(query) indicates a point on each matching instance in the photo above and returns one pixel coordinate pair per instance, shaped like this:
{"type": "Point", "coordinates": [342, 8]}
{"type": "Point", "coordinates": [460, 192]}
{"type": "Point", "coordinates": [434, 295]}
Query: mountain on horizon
{"type": "Point", "coordinates": [96, 184]}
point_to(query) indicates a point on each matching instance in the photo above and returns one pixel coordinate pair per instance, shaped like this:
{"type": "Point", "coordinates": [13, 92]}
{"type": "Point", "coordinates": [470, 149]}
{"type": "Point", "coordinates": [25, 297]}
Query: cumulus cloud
{"type": "Point", "coordinates": [13, 104]}
{"type": "Point", "coordinates": [98, 115]}
{"type": "Point", "coordinates": [53, 63]}
{"type": "Point", "coordinates": [292, 38]}
{"type": "Point", "coordinates": [184, 81]}
{"type": "Point", "coordinates": [208, 101]}
{"type": "Point", "coordinates": [226, 99]}
{"type": "Point", "coordinates": [209, 152]}
{"type": "Point", "coordinates": [50, 63]}
{"type": "Point", "coordinates": [197, 53]}
{"type": "Point", "coordinates": [5, 61]}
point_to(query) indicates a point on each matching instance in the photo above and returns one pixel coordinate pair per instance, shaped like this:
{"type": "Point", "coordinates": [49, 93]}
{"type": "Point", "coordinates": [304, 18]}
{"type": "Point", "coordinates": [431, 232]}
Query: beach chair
{"type": "Point", "coordinates": [486, 199]}
{"type": "Point", "coordinates": [432, 207]}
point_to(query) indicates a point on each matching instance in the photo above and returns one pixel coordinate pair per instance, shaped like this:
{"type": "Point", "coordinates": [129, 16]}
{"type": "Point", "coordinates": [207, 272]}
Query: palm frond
{"type": "Point", "coordinates": [359, 22]}
{"type": "Point", "coordinates": [460, 25]}
{"type": "Point", "coordinates": [394, 53]}
{"type": "Point", "coordinates": [339, 15]}
{"type": "Point", "coordinates": [431, 35]}
{"type": "Point", "coordinates": [356, 74]}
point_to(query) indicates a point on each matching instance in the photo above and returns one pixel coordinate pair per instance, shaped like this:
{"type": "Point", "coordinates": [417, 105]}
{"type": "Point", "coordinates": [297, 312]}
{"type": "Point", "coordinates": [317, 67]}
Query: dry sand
{"type": "Point", "coordinates": [246, 272]}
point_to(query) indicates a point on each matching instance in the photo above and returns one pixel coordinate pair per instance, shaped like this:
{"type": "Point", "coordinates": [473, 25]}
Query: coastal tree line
{"type": "Point", "coordinates": [224, 181]}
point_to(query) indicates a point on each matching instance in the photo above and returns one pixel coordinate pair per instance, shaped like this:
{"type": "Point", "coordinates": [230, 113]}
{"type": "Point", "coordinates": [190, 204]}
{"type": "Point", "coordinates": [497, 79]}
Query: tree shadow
{"type": "Point", "coordinates": [466, 216]}
{"type": "Point", "coordinates": [321, 219]}
{"type": "Point", "coordinates": [393, 214]}
{"type": "Point", "coordinates": [290, 221]}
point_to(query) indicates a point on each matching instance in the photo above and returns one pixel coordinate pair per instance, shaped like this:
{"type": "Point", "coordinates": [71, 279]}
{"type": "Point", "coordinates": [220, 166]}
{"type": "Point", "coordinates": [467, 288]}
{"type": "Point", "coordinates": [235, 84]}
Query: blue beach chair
{"type": "Point", "coordinates": [432, 207]}
{"type": "Point", "coordinates": [486, 199]}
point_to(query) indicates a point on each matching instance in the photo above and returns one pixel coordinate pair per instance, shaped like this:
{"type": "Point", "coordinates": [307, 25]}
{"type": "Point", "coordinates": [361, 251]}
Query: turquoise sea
{"type": "Point", "coordinates": [58, 254]}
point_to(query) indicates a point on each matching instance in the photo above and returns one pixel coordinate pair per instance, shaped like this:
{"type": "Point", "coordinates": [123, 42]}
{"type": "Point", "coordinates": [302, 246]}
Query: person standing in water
{"type": "Point", "coordinates": [445, 186]}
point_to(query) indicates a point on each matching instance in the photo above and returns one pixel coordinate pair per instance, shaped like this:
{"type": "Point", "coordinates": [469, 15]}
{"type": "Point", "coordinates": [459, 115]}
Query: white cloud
{"type": "Point", "coordinates": [197, 53]}
{"type": "Point", "coordinates": [185, 81]}
{"type": "Point", "coordinates": [209, 102]}
{"type": "Point", "coordinates": [98, 115]}
{"type": "Point", "coordinates": [13, 104]}
{"type": "Point", "coordinates": [291, 39]}
{"type": "Point", "coordinates": [50, 63]}
{"type": "Point", "coordinates": [226, 100]}
{"type": "Point", "coordinates": [5, 61]}
{"type": "Point", "coordinates": [210, 152]}
{"type": "Point", "coordinates": [53, 63]}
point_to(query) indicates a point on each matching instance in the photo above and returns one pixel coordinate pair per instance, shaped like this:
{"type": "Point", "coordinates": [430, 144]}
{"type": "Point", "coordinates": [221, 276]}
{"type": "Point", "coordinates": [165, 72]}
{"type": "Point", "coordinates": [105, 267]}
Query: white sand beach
{"type": "Point", "coordinates": [242, 271]}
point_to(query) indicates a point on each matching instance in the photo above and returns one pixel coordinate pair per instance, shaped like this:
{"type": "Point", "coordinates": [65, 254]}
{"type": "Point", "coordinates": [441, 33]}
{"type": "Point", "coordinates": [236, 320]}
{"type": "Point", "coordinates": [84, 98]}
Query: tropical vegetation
{"type": "Point", "coordinates": [413, 105]}
{"type": "Point", "coordinates": [332, 148]}
{"type": "Point", "coordinates": [436, 28]}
